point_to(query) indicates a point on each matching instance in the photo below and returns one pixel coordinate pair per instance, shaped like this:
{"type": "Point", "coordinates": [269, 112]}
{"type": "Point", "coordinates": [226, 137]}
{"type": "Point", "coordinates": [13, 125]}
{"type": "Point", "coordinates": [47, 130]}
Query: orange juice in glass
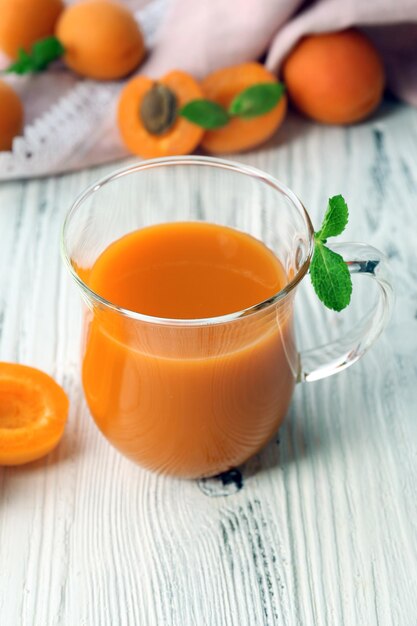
{"type": "Point", "coordinates": [188, 267]}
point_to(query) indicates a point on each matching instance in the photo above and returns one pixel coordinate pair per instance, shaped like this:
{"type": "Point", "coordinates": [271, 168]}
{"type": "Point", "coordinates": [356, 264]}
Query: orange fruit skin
{"type": "Point", "coordinates": [11, 116]}
{"type": "Point", "coordinates": [22, 22]}
{"type": "Point", "coordinates": [101, 38]}
{"type": "Point", "coordinates": [33, 413]}
{"type": "Point", "coordinates": [182, 138]}
{"type": "Point", "coordinates": [240, 134]}
{"type": "Point", "coordinates": [335, 78]}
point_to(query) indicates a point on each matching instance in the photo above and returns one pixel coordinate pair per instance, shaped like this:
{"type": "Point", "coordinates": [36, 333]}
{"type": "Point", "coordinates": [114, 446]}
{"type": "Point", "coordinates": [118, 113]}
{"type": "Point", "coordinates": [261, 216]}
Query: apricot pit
{"type": "Point", "coordinates": [158, 109]}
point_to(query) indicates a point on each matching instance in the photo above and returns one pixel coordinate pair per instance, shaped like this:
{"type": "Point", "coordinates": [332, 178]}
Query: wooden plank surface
{"type": "Point", "coordinates": [323, 528]}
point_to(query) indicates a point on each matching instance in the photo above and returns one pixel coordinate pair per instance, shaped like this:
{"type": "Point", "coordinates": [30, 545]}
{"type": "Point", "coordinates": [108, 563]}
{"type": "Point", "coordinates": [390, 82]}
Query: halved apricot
{"type": "Point", "coordinates": [240, 134]}
{"type": "Point", "coordinates": [147, 115]}
{"type": "Point", "coordinates": [33, 413]}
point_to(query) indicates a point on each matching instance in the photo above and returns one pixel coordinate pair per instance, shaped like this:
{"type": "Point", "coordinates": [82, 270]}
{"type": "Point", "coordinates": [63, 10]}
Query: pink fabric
{"type": "Point", "coordinates": [202, 36]}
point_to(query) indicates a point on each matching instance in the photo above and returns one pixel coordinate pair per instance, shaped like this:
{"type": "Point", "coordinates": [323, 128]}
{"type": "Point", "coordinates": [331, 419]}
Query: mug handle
{"type": "Point", "coordinates": [337, 355]}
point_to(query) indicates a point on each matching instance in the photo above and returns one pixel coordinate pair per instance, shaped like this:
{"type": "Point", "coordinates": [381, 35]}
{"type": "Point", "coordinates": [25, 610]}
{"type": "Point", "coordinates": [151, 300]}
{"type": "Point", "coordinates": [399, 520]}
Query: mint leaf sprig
{"type": "Point", "coordinates": [205, 113]}
{"type": "Point", "coordinates": [256, 100]}
{"type": "Point", "coordinates": [329, 273]}
{"type": "Point", "coordinates": [42, 53]}
{"type": "Point", "coordinates": [251, 102]}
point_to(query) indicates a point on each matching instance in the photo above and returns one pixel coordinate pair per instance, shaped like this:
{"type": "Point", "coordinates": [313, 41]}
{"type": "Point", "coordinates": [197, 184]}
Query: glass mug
{"type": "Point", "coordinates": [196, 397]}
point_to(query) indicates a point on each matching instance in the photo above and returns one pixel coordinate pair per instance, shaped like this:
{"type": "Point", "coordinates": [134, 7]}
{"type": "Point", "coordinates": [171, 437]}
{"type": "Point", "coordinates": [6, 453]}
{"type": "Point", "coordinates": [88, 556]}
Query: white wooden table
{"type": "Point", "coordinates": [324, 529]}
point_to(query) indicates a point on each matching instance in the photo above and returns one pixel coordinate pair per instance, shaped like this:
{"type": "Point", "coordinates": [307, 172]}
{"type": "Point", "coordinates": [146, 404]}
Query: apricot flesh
{"type": "Point", "coordinates": [335, 78]}
{"type": "Point", "coordinates": [101, 38]}
{"type": "Point", "coordinates": [11, 116]}
{"type": "Point", "coordinates": [22, 22]}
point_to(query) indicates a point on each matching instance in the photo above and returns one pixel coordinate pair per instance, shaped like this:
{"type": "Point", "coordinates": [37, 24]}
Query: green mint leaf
{"type": "Point", "coordinates": [205, 113]}
{"type": "Point", "coordinates": [256, 100]}
{"type": "Point", "coordinates": [43, 52]}
{"type": "Point", "coordinates": [22, 65]}
{"type": "Point", "coordinates": [335, 219]}
{"type": "Point", "coordinates": [330, 277]}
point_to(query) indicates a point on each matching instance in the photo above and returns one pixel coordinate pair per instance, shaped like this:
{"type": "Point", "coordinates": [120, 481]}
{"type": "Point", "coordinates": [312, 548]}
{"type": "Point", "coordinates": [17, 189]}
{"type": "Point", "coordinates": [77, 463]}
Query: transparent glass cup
{"type": "Point", "coordinates": [195, 397]}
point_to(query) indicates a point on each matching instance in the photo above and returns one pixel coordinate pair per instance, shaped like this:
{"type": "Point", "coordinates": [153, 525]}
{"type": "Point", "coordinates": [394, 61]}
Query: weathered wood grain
{"type": "Point", "coordinates": [323, 530]}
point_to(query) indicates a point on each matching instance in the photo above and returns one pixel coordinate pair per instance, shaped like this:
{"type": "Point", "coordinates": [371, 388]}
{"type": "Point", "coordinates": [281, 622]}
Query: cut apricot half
{"type": "Point", "coordinates": [148, 117]}
{"type": "Point", "coordinates": [239, 134]}
{"type": "Point", "coordinates": [33, 413]}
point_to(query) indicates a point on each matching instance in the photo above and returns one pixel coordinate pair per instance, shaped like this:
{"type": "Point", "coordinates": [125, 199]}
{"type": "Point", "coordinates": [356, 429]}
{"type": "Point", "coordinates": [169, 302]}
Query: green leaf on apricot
{"type": "Point", "coordinates": [42, 53]}
{"type": "Point", "coordinates": [257, 100]}
{"type": "Point", "coordinates": [205, 113]}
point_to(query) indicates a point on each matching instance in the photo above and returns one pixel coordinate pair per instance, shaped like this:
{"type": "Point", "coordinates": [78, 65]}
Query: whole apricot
{"type": "Point", "coordinates": [11, 116]}
{"type": "Point", "coordinates": [335, 78]}
{"type": "Point", "coordinates": [101, 39]}
{"type": "Point", "coordinates": [22, 22]}
{"type": "Point", "coordinates": [240, 134]}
